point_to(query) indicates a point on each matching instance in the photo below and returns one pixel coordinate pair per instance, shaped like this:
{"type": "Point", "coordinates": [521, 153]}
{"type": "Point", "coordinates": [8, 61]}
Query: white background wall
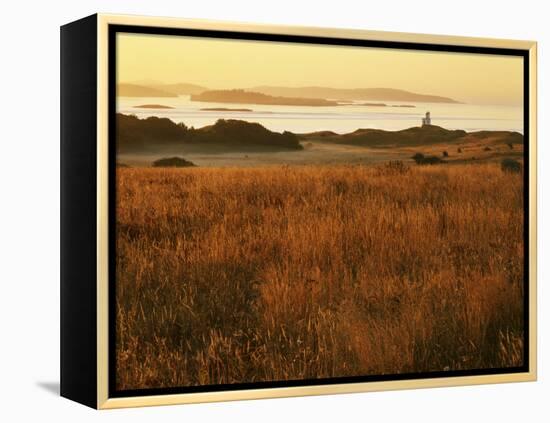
{"type": "Point", "coordinates": [29, 209]}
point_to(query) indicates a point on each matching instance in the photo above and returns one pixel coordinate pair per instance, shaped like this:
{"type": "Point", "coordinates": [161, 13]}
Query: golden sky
{"type": "Point", "coordinates": [215, 63]}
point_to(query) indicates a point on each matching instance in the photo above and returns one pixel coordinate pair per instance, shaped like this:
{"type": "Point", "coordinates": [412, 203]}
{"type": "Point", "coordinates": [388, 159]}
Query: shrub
{"type": "Point", "coordinates": [418, 157]}
{"type": "Point", "coordinates": [487, 149]}
{"type": "Point", "coordinates": [421, 159]}
{"type": "Point", "coordinates": [173, 162]}
{"type": "Point", "coordinates": [459, 150]}
{"type": "Point", "coordinates": [510, 165]}
{"type": "Point", "coordinates": [445, 154]}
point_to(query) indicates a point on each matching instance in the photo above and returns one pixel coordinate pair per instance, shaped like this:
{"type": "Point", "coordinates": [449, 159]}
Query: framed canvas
{"type": "Point", "coordinates": [258, 211]}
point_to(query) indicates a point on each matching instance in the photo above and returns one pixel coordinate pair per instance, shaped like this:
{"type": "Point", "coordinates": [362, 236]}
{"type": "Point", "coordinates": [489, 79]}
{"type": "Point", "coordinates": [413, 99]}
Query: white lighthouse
{"type": "Point", "coordinates": [427, 120]}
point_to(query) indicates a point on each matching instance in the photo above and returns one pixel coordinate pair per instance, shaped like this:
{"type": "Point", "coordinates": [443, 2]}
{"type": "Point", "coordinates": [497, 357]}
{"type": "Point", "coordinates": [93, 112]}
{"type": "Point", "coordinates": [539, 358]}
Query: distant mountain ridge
{"type": "Point", "coordinates": [156, 89]}
{"type": "Point", "coordinates": [134, 90]}
{"type": "Point", "coordinates": [181, 88]}
{"type": "Point", "coordinates": [143, 89]}
{"type": "Point", "coordinates": [385, 94]}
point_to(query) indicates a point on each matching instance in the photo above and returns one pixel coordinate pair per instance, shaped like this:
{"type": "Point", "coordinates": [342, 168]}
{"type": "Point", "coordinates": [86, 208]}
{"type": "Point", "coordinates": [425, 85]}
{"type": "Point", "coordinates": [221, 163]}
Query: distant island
{"type": "Point", "coordinates": [380, 94]}
{"type": "Point", "coordinates": [251, 97]}
{"type": "Point", "coordinates": [153, 134]}
{"type": "Point", "coordinates": [363, 104]}
{"type": "Point", "coordinates": [372, 104]}
{"type": "Point", "coordinates": [133, 90]}
{"type": "Point", "coordinates": [376, 105]}
{"type": "Point", "coordinates": [153, 106]}
{"type": "Point", "coordinates": [225, 109]}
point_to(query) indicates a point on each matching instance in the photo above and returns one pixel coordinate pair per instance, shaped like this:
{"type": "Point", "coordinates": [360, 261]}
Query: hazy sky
{"type": "Point", "coordinates": [214, 63]}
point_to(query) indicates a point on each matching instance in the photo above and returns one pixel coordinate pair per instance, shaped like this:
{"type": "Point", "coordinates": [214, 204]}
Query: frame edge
{"type": "Point", "coordinates": [103, 400]}
{"type": "Point", "coordinates": [78, 162]}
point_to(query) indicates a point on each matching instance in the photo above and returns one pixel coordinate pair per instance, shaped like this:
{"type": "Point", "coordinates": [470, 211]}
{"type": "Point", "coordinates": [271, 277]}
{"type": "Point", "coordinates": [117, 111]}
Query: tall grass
{"type": "Point", "coordinates": [240, 275]}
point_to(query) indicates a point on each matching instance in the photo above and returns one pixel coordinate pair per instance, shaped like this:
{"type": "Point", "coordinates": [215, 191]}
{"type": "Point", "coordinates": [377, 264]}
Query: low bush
{"type": "Point", "coordinates": [510, 165]}
{"type": "Point", "coordinates": [173, 162]}
{"type": "Point", "coordinates": [421, 159]}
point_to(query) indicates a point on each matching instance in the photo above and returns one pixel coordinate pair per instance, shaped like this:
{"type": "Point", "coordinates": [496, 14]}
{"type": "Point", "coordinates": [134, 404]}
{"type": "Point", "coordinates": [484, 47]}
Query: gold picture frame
{"type": "Point", "coordinates": [78, 376]}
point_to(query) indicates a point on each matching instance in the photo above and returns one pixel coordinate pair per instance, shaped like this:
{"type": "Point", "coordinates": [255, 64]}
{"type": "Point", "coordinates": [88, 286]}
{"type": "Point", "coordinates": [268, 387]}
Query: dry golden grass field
{"type": "Point", "coordinates": [232, 275]}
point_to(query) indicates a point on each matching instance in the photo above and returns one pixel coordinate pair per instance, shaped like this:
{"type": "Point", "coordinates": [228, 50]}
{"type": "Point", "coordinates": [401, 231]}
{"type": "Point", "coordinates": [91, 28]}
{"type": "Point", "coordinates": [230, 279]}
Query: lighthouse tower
{"type": "Point", "coordinates": [426, 121]}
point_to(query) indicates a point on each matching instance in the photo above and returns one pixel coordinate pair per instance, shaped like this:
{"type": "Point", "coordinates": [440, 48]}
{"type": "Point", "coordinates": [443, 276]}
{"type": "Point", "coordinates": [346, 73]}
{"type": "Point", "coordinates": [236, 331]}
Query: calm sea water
{"type": "Point", "coordinates": [339, 119]}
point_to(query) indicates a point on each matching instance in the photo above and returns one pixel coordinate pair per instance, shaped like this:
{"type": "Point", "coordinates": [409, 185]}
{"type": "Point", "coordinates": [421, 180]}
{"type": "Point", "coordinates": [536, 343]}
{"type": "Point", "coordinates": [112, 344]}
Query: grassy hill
{"type": "Point", "coordinates": [416, 136]}
{"type": "Point", "coordinates": [153, 133]}
{"type": "Point", "coordinates": [410, 137]}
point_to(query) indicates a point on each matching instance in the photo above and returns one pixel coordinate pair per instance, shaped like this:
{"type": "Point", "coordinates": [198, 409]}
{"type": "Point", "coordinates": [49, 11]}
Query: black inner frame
{"type": "Point", "coordinates": [234, 35]}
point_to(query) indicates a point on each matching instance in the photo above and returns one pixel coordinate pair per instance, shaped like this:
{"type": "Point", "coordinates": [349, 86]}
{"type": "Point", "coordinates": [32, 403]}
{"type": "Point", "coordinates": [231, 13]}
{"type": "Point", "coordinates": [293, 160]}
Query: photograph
{"type": "Point", "coordinates": [302, 213]}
